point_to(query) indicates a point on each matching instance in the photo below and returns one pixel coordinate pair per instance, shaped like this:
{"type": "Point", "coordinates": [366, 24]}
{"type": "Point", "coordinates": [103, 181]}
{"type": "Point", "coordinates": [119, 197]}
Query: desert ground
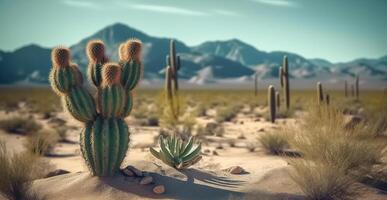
{"type": "Point", "coordinates": [229, 141]}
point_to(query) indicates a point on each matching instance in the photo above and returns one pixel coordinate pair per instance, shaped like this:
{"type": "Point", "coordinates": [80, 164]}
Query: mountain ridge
{"type": "Point", "coordinates": [220, 59]}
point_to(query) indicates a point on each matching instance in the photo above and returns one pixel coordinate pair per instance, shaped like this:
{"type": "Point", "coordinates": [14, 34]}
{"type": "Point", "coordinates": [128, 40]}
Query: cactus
{"type": "Point", "coordinates": [284, 79]}
{"type": "Point", "coordinates": [327, 99]}
{"type": "Point", "coordinates": [357, 87]}
{"type": "Point", "coordinates": [277, 99]}
{"type": "Point", "coordinates": [105, 137]}
{"type": "Point", "coordinates": [320, 93]}
{"type": "Point", "coordinates": [171, 81]}
{"type": "Point", "coordinates": [177, 153]}
{"type": "Point", "coordinates": [346, 88]}
{"type": "Point", "coordinates": [272, 104]}
{"type": "Point", "coordinates": [352, 90]}
{"type": "Point", "coordinates": [255, 84]}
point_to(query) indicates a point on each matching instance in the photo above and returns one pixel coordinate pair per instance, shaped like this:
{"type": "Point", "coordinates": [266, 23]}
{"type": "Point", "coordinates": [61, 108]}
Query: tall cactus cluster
{"type": "Point", "coordinates": [105, 137]}
{"type": "Point", "coordinates": [272, 103]}
{"type": "Point", "coordinates": [284, 79]}
{"type": "Point", "coordinates": [171, 81]}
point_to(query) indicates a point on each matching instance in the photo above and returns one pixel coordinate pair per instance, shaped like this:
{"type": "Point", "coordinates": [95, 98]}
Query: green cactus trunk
{"type": "Point", "coordinates": [104, 143]}
{"type": "Point", "coordinates": [171, 81]}
{"type": "Point", "coordinates": [256, 84]}
{"type": "Point", "coordinates": [284, 79]}
{"type": "Point", "coordinates": [278, 100]}
{"type": "Point", "coordinates": [327, 99]}
{"type": "Point", "coordinates": [272, 103]}
{"type": "Point", "coordinates": [320, 94]}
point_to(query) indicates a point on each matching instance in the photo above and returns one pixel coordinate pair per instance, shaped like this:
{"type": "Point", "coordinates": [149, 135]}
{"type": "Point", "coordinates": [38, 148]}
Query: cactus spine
{"type": "Point", "coordinates": [272, 103]}
{"type": "Point", "coordinates": [357, 87]}
{"type": "Point", "coordinates": [171, 81]}
{"type": "Point", "coordinates": [320, 94]}
{"type": "Point", "coordinates": [284, 79]}
{"type": "Point", "coordinates": [346, 88]}
{"type": "Point", "coordinates": [105, 137]}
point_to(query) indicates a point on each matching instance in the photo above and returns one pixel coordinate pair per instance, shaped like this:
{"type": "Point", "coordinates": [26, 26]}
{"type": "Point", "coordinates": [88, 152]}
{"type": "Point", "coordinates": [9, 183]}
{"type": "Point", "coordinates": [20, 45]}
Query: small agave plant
{"type": "Point", "coordinates": [177, 153]}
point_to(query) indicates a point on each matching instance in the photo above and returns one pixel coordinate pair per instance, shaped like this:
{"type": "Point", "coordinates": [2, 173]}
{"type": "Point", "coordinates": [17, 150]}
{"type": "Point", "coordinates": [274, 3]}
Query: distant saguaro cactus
{"type": "Point", "coordinates": [277, 99]}
{"type": "Point", "coordinates": [284, 79]}
{"type": "Point", "coordinates": [346, 88]}
{"type": "Point", "coordinates": [171, 81]}
{"type": "Point", "coordinates": [352, 90]}
{"type": "Point", "coordinates": [272, 103]}
{"type": "Point", "coordinates": [320, 93]}
{"type": "Point", "coordinates": [327, 99]}
{"type": "Point", "coordinates": [357, 87]}
{"type": "Point", "coordinates": [105, 137]}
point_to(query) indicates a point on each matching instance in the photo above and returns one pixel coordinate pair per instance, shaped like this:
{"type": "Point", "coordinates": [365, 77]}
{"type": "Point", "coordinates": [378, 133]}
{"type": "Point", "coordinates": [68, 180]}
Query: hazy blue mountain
{"type": "Point", "coordinates": [208, 61]}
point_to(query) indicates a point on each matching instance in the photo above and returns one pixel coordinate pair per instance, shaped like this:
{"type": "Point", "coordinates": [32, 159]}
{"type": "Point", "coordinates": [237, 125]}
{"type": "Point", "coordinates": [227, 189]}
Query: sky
{"type": "Point", "coordinates": [336, 30]}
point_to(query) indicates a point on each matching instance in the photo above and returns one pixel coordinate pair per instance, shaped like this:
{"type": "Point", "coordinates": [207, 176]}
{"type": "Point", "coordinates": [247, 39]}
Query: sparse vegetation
{"type": "Point", "coordinates": [42, 142]}
{"type": "Point", "coordinates": [17, 170]}
{"type": "Point", "coordinates": [20, 125]}
{"type": "Point", "coordinates": [274, 142]}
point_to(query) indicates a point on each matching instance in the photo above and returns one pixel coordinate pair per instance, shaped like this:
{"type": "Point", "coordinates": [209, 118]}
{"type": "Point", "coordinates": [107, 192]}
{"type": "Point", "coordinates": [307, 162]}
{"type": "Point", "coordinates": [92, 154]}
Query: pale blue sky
{"type": "Point", "coordinates": [337, 30]}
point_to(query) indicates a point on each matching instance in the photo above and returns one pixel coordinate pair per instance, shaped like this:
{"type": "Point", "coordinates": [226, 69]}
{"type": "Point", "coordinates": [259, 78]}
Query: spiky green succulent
{"type": "Point", "coordinates": [105, 137]}
{"type": "Point", "coordinates": [177, 153]}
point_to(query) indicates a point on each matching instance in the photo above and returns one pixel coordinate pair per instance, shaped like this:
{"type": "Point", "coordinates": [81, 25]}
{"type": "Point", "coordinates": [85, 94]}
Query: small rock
{"type": "Point", "coordinates": [261, 130]}
{"type": "Point", "coordinates": [146, 180]}
{"type": "Point", "coordinates": [56, 173]}
{"type": "Point", "coordinates": [215, 153]}
{"type": "Point", "coordinates": [242, 122]}
{"type": "Point", "coordinates": [160, 189]}
{"type": "Point", "coordinates": [207, 151]}
{"type": "Point", "coordinates": [236, 170]}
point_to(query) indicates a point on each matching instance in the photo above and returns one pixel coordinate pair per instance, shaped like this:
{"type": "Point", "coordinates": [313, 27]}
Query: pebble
{"type": "Point", "coordinates": [146, 180]}
{"type": "Point", "coordinates": [127, 172]}
{"type": "Point", "coordinates": [160, 189]}
{"type": "Point", "coordinates": [236, 170]}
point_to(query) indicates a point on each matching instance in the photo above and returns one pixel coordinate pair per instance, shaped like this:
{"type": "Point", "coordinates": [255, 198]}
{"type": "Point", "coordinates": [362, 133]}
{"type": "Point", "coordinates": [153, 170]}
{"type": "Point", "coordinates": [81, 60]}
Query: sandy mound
{"type": "Point", "coordinates": [187, 184]}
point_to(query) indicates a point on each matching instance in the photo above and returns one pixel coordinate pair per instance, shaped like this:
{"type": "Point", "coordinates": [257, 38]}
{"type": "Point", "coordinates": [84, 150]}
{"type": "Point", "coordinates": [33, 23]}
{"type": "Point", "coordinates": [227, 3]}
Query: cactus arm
{"type": "Point", "coordinates": [85, 142]}
{"type": "Point", "coordinates": [96, 142]}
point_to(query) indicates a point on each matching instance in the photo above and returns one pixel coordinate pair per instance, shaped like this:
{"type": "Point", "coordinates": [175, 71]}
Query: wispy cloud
{"type": "Point", "coordinates": [82, 4]}
{"type": "Point", "coordinates": [226, 13]}
{"type": "Point", "coordinates": [281, 3]}
{"type": "Point", "coordinates": [166, 9]}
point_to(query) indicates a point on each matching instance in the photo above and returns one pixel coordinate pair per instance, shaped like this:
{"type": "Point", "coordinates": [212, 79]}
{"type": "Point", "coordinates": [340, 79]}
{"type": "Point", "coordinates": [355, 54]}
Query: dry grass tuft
{"type": "Point", "coordinates": [16, 172]}
{"type": "Point", "coordinates": [20, 125]}
{"type": "Point", "coordinates": [274, 142]}
{"type": "Point", "coordinates": [42, 142]}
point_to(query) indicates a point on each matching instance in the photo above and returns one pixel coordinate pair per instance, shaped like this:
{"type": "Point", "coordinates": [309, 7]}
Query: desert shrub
{"type": "Point", "coordinates": [334, 156]}
{"type": "Point", "coordinates": [42, 142]}
{"type": "Point", "coordinates": [321, 181]}
{"type": "Point", "coordinates": [274, 142]}
{"type": "Point", "coordinates": [16, 172]}
{"type": "Point", "coordinates": [20, 125]}
{"type": "Point", "coordinates": [225, 114]}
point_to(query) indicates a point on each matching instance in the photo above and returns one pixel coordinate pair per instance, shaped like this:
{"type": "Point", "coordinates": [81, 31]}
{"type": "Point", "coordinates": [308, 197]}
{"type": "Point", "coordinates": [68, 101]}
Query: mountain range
{"type": "Point", "coordinates": [209, 62]}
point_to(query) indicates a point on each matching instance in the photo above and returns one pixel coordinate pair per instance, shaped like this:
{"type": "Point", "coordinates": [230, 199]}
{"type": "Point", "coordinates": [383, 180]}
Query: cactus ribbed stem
{"type": "Point", "coordinates": [346, 88]}
{"type": "Point", "coordinates": [272, 103]}
{"type": "Point", "coordinates": [255, 84]}
{"type": "Point", "coordinates": [327, 99]}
